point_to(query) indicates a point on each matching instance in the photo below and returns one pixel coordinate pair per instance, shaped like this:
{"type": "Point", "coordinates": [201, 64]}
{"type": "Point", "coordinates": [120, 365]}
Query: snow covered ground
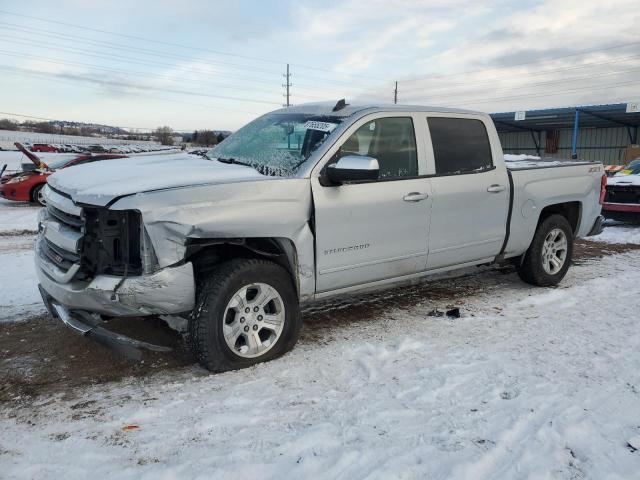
{"type": "Point", "coordinates": [618, 233]}
{"type": "Point", "coordinates": [8, 137]}
{"type": "Point", "coordinates": [17, 218]}
{"type": "Point", "coordinates": [19, 296]}
{"type": "Point", "coordinates": [528, 383]}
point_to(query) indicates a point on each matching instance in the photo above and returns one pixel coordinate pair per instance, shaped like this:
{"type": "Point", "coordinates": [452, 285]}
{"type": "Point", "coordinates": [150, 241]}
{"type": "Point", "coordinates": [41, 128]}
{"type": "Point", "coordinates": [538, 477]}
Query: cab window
{"type": "Point", "coordinates": [391, 141]}
{"type": "Point", "coordinates": [460, 145]}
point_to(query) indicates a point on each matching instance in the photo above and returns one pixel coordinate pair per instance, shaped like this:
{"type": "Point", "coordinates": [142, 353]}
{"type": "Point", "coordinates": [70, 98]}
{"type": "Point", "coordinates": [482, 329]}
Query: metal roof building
{"type": "Point", "coordinates": [589, 132]}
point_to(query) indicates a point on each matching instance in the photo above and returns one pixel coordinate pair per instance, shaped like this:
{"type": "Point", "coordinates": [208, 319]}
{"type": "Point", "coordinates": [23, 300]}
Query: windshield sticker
{"type": "Point", "coordinates": [320, 126]}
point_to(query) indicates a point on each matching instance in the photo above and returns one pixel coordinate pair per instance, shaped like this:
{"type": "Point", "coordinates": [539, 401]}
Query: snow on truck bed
{"type": "Point", "coordinates": [522, 161]}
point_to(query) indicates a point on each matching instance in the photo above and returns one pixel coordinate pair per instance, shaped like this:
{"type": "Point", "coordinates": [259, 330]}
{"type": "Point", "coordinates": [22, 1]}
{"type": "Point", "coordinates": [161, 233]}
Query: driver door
{"type": "Point", "coordinates": [375, 230]}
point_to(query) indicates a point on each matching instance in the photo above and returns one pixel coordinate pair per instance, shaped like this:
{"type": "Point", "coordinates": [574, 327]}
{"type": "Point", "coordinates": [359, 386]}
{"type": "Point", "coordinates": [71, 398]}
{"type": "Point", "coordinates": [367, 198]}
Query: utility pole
{"type": "Point", "coordinates": [287, 85]}
{"type": "Point", "coordinates": [395, 94]}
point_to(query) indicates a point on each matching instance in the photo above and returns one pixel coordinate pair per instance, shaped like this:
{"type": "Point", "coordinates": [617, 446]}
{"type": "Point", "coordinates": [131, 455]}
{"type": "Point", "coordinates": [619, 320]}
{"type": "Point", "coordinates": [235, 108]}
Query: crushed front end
{"type": "Point", "coordinates": [93, 263]}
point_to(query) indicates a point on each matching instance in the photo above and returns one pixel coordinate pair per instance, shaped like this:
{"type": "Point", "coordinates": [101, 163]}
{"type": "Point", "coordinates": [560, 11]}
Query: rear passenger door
{"type": "Point", "coordinates": [470, 196]}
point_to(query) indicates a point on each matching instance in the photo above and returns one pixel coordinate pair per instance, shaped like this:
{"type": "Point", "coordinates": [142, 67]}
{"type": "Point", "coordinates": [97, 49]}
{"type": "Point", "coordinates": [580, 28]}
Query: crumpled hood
{"type": "Point", "coordinates": [100, 182]}
{"type": "Point", "coordinates": [624, 180]}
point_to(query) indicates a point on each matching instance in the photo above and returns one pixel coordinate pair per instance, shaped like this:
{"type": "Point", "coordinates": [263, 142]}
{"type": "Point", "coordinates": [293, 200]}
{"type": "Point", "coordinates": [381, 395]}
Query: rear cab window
{"type": "Point", "coordinates": [460, 146]}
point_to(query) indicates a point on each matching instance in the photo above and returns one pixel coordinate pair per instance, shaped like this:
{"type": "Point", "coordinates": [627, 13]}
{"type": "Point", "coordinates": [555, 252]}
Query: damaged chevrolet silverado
{"type": "Point", "coordinates": [302, 204]}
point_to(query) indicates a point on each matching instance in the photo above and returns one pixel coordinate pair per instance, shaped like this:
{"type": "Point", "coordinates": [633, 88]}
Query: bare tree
{"type": "Point", "coordinates": [206, 137]}
{"type": "Point", "coordinates": [6, 124]}
{"type": "Point", "coordinates": [164, 135]}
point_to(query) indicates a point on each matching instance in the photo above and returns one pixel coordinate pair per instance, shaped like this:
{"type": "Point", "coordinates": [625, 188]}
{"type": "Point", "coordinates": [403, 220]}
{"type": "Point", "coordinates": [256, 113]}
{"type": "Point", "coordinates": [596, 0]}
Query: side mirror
{"type": "Point", "coordinates": [353, 168]}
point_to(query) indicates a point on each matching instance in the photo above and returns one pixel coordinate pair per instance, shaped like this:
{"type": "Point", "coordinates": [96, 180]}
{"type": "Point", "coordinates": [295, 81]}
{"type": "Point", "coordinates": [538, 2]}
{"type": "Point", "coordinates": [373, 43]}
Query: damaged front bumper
{"type": "Point", "coordinates": [91, 325]}
{"type": "Point", "coordinates": [81, 305]}
{"type": "Point", "coordinates": [168, 291]}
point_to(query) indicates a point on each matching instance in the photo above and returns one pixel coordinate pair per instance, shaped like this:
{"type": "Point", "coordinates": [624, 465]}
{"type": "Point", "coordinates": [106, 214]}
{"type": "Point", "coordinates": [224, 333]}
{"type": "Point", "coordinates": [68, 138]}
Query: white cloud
{"type": "Point", "coordinates": [528, 34]}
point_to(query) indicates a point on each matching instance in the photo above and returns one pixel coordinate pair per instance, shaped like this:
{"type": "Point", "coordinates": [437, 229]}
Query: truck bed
{"type": "Point", "coordinates": [535, 184]}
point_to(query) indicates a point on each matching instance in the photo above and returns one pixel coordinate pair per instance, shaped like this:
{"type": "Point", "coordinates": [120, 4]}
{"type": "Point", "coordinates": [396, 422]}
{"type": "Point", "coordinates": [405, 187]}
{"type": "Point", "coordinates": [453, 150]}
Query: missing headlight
{"type": "Point", "coordinates": [111, 243]}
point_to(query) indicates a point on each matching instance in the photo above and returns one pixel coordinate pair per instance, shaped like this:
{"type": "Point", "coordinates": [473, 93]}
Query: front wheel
{"type": "Point", "coordinates": [37, 195]}
{"type": "Point", "coordinates": [246, 312]}
{"type": "Point", "coordinates": [548, 258]}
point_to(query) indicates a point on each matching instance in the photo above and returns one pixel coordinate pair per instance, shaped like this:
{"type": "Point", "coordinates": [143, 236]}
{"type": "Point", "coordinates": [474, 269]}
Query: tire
{"type": "Point", "coordinates": [36, 195]}
{"type": "Point", "coordinates": [265, 332]}
{"type": "Point", "coordinates": [538, 266]}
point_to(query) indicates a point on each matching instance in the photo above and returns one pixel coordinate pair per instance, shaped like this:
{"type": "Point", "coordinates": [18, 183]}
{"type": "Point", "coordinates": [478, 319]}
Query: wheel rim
{"type": "Point", "coordinates": [253, 320]}
{"type": "Point", "coordinates": [554, 251]}
{"type": "Point", "coordinates": [40, 197]}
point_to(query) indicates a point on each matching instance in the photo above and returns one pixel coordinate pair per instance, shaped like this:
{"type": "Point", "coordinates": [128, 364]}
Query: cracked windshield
{"type": "Point", "coordinates": [276, 144]}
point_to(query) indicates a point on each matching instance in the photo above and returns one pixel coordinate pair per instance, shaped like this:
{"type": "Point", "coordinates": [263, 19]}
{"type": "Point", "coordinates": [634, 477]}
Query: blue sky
{"type": "Point", "coordinates": [196, 64]}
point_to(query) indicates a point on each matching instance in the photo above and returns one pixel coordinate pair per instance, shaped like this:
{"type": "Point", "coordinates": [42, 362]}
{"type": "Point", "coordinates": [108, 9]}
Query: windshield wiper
{"type": "Point", "coordinates": [234, 161]}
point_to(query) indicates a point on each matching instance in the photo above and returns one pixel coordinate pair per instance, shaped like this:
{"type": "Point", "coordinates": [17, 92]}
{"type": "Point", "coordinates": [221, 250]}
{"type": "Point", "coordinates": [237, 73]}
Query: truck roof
{"type": "Point", "coordinates": [327, 108]}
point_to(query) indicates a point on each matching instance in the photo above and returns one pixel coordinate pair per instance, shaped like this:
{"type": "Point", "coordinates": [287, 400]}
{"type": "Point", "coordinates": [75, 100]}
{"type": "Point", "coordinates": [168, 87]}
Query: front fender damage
{"type": "Point", "coordinates": [279, 209]}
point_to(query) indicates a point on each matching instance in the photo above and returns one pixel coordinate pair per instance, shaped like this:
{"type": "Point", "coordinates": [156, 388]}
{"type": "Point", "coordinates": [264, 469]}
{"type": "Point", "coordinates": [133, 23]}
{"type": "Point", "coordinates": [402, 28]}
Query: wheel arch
{"type": "Point", "coordinates": [572, 211]}
{"type": "Point", "coordinates": [206, 253]}
{"type": "Point", "coordinates": [33, 188]}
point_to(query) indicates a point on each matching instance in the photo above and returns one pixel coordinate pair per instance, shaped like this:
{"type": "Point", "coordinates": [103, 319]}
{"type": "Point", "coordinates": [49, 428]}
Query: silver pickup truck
{"type": "Point", "coordinates": [301, 204]}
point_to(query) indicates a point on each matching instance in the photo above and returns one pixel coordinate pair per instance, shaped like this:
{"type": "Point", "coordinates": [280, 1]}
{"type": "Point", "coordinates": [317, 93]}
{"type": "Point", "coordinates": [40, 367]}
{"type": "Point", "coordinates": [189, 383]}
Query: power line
{"type": "Point", "coordinates": [127, 72]}
{"type": "Point", "coordinates": [138, 60]}
{"type": "Point", "coordinates": [131, 60]}
{"type": "Point", "coordinates": [492, 80]}
{"type": "Point", "coordinates": [538, 84]}
{"type": "Point", "coordinates": [146, 94]}
{"type": "Point", "coordinates": [130, 85]}
{"type": "Point", "coordinates": [111, 83]}
{"type": "Point", "coordinates": [218, 52]}
{"type": "Point", "coordinates": [145, 51]}
{"type": "Point", "coordinates": [88, 123]}
{"type": "Point", "coordinates": [138, 50]}
{"type": "Point", "coordinates": [178, 45]}
{"type": "Point", "coordinates": [136, 37]}
{"type": "Point", "coordinates": [559, 92]}
{"type": "Point", "coordinates": [502, 67]}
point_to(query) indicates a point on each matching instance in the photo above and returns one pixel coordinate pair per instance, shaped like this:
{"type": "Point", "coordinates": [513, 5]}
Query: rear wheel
{"type": "Point", "coordinates": [37, 195]}
{"type": "Point", "coordinates": [247, 312]}
{"type": "Point", "coordinates": [549, 256]}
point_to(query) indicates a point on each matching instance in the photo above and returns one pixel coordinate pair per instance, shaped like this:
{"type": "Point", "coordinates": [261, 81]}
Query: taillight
{"type": "Point", "coordinates": [603, 188]}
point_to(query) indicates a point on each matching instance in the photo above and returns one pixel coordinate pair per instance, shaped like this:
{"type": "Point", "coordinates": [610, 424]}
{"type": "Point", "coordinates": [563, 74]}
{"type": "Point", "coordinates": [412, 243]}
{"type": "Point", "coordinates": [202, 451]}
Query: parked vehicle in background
{"type": "Point", "coordinates": [622, 199]}
{"type": "Point", "coordinates": [200, 152]}
{"type": "Point", "coordinates": [302, 204]}
{"type": "Point", "coordinates": [96, 149]}
{"type": "Point", "coordinates": [43, 147]}
{"type": "Point", "coordinates": [26, 186]}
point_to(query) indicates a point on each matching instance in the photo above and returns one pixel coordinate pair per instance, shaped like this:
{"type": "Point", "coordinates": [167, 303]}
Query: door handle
{"type": "Point", "coordinates": [415, 197]}
{"type": "Point", "coordinates": [496, 188]}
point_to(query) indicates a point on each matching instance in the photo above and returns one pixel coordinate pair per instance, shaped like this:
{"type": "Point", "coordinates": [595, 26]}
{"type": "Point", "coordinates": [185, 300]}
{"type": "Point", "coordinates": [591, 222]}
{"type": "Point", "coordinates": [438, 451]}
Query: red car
{"type": "Point", "coordinates": [43, 147]}
{"type": "Point", "coordinates": [26, 186]}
